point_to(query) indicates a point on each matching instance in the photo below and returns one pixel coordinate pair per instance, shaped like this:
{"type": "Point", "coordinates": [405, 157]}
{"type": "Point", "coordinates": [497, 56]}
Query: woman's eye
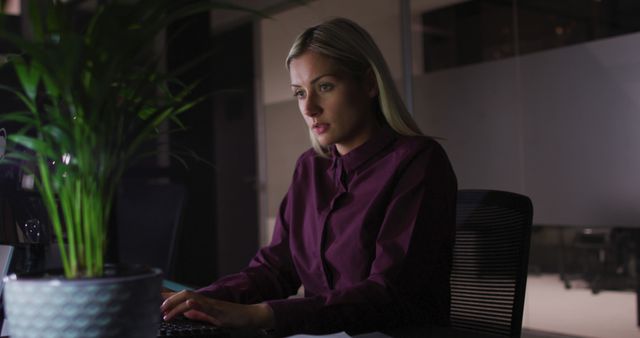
{"type": "Point", "coordinates": [298, 93]}
{"type": "Point", "coordinates": [325, 87]}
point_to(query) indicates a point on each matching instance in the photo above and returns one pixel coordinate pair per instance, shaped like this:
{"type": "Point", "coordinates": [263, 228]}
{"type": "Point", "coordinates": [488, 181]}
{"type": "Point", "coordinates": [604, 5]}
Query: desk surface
{"type": "Point", "coordinates": [403, 333]}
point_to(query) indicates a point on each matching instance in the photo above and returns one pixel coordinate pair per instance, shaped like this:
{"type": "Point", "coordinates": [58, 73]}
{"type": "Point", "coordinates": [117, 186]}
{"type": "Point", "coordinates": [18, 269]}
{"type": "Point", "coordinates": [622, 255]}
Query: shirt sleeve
{"type": "Point", "coordinates": [270, 274]}
{"type": "Point", "coordinates": [409, 278]}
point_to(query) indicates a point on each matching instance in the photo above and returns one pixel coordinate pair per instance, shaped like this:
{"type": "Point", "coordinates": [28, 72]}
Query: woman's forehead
{"type": "Point", "coordinates": [311, 65]}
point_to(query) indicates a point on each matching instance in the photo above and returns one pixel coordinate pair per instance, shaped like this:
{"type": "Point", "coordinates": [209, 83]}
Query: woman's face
{"type": "Point", "coordinates": [334, 105]}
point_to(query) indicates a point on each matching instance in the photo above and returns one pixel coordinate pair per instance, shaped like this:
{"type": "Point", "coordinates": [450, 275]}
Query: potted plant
{"type": "Point", "coordinates": [92, 95]}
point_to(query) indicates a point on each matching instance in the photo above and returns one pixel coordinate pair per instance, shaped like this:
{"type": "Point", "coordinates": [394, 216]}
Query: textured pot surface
{"type": "Point", "coordinates": [112, 306]}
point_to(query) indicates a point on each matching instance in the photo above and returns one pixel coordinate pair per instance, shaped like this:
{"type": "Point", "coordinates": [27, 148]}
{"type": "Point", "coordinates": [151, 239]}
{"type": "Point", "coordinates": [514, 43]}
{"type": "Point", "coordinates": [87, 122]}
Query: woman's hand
{"type": "Point", "coordinates": [220, 313]}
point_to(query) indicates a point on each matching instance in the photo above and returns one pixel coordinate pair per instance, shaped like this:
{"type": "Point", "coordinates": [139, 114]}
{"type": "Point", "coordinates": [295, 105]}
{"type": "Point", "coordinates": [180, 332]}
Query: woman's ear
{"type": "Point", "coordinates": [370, 83]}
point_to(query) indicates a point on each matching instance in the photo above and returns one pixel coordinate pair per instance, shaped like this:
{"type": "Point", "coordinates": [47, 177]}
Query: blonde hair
{"type": "Point", "coordinates": [352, 48]}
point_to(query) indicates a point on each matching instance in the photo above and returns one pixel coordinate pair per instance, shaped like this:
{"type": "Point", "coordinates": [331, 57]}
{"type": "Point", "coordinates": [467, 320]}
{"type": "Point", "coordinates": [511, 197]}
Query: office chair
{"type": "Point", "coordinates": [491, 253]}
{"type": "Point", "coordinates": [148, 218]}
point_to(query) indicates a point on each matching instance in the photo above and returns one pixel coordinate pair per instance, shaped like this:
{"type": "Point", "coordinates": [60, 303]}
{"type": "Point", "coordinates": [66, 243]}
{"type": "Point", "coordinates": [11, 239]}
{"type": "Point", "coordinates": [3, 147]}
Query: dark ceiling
{"type": "Point", "coordinates": [224, 19]}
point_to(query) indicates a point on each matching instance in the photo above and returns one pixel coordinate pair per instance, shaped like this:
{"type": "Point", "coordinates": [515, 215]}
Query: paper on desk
{"type": "Point", "coordinates": [333, 335]}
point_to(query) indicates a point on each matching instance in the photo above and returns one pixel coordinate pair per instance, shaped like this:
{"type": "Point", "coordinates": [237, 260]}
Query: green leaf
{"type": "Point", "coordinates": [50, 86]}
{"type": "Point", "coordinates": [19, 156]}
{"type": "Point", "coordinates": [29, 76]}
{"type": "Point", "coordinates": [30, 103]}
{"type": "Point", "coordinates": [58, 135]}
{"type": "Point", "coordinates": [37, 145]}
{"type": "Point", "coordinates": [22, 117]}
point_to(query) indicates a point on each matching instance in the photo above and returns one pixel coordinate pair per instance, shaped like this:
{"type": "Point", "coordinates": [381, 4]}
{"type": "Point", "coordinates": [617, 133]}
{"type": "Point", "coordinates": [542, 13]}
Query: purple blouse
{"type": "Point", "coordinates": [368, 234]}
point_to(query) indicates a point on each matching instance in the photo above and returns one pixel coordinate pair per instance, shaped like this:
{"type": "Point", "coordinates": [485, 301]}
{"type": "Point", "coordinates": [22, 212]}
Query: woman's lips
{"type": "Point", "coordinates": [320, 128]}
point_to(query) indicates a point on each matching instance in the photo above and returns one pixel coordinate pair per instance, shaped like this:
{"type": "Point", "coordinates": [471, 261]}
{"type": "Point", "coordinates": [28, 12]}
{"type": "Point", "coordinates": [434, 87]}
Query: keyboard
{"type": "Point", "coordinates": [184, 327]}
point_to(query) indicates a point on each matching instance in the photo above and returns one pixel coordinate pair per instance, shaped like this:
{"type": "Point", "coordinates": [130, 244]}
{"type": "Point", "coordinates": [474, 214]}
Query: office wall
{"type": "Point", "coordinates": [561, 126]}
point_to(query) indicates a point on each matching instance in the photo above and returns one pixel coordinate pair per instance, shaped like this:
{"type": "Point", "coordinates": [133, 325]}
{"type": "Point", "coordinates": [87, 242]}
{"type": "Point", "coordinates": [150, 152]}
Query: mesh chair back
{"type": "Point", "coordinates": [490, 259]}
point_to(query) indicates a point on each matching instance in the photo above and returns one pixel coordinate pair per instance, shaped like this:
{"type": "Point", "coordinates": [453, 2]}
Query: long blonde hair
{"type": "Point", "coordinates": [352, 48]}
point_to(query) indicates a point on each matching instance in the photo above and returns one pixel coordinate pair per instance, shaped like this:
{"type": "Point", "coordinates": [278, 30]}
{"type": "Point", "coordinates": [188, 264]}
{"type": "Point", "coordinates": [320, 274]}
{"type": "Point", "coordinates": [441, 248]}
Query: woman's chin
{"type": "Point", "coordinates": [324, 141]}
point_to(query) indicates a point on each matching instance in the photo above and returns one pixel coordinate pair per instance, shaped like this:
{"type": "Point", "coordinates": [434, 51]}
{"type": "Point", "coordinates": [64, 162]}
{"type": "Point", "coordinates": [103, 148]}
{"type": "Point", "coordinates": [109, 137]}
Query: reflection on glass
{"type": "Point", "coordinates": [485, 30]}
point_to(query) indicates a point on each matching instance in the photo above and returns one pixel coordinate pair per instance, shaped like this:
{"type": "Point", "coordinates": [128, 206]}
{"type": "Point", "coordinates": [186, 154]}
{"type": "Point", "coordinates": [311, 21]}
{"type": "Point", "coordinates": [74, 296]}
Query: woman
{"type": "Point", "coordinates": [367, 225]}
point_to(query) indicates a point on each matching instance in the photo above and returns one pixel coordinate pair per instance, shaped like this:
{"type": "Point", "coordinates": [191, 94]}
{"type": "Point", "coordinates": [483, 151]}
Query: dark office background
{"type": "Point", "coordinates": [217, 163]}
{"type": "Point", "coordinates": [220, 224]}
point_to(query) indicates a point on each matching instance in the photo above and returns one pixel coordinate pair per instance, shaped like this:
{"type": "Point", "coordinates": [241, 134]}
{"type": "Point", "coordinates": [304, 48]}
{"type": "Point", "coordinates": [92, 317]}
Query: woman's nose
{"type": "Point", "coordinates": [310, 106]}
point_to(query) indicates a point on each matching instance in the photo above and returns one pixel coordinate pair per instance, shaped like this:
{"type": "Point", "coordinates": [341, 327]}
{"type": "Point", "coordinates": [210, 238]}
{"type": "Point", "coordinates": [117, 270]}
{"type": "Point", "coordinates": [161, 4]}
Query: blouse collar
{"type": "Point", "coordinates": [358, 156]}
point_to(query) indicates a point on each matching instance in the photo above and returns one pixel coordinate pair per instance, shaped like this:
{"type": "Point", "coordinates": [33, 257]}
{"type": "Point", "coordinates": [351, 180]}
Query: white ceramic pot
{"type": "Point", "coordinates": [124, 303]}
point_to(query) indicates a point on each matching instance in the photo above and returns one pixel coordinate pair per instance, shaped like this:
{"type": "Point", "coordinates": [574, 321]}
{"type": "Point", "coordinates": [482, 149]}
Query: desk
{"type": "Point", "coordinates": [435, 332]}
{"type": "Point", "coordinates": [405, 332]}
{"type": "Point", "coordinates": [430, 332]}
